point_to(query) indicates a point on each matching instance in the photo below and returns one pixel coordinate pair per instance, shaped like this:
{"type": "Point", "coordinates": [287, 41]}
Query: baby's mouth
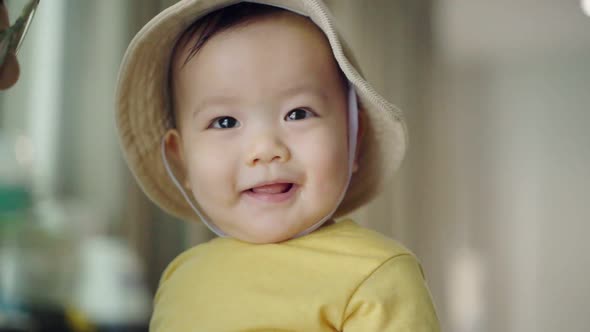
{"type": "Point", "coordinates": [272, 193]}
{"type": "Point", "coordinates": [275, 188]}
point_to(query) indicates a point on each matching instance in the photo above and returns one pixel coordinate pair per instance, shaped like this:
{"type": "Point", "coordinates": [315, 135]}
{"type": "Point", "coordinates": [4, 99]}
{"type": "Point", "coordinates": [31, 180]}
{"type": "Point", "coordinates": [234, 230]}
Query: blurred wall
{"type": "Point", "coordinates": [510, 180]}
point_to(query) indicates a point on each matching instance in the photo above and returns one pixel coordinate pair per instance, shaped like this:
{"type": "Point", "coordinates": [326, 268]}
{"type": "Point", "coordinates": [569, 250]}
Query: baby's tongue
{"type": "Point", "coordinates": [276, 188]}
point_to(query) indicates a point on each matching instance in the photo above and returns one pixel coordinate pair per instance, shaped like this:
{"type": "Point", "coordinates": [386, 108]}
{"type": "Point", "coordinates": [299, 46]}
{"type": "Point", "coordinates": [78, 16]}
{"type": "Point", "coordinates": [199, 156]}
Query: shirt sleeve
{"type": "Point", "coordinates": [394, 297]}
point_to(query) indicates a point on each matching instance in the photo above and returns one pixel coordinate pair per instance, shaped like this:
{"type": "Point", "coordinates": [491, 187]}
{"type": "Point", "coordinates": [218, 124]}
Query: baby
{"type": "Point", "coordinates": [244, 115]}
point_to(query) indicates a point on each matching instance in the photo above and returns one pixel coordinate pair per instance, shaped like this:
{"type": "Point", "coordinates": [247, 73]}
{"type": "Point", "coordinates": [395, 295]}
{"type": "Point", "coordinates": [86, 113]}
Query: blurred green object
{"type": "Point", "coordinates": [13, 199]}
{"type": "Point", "coordinates": [33, 268]}
{"type": "Point", "coordinates": [12, 38]}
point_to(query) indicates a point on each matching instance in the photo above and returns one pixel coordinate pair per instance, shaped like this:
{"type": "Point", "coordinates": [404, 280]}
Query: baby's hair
{"type": "Point", "coordinates": [204, 28]}
{"type": "Point", "coordinates": [221, 20]}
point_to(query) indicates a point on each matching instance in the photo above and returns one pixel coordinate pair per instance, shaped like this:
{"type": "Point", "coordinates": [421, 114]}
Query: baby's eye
{"type": "Point", "coordinates": [224, 122]}
{"type": "Point", "coordinates": [298, 114]}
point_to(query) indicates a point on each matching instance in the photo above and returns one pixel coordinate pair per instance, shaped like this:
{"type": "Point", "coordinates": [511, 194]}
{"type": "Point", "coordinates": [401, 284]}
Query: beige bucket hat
{"type": "Point", "coordinates": [142, 99]}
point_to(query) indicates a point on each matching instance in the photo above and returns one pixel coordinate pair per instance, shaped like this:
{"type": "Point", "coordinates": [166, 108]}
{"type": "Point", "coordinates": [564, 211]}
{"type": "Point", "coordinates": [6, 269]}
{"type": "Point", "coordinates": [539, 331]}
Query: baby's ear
{"type": "Point", "coordinates": [175, 156]}
{"type": "Point", "coordinates": [359, 137]}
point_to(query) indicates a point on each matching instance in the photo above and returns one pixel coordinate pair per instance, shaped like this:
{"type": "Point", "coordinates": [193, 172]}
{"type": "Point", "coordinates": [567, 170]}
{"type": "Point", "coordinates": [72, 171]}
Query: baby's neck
{"type": "Point", "coordinates": [328, 223]}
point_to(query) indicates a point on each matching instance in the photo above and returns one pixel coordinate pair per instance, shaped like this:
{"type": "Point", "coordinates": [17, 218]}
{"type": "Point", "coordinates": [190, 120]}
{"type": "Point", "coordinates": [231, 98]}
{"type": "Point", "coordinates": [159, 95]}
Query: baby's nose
{"type": "Point", "coordinates": [266, 149]}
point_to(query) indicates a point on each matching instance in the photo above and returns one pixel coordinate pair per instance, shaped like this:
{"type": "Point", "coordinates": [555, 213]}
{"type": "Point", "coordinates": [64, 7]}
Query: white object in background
{"type": "Point", "coordinates": [586, 7]}
{"type": "Point", "coordinates": [111, 289]}
{"type": "Point", "coordinates": [465, 287]}
{"type": "Point", "coordinates": [45, 101]}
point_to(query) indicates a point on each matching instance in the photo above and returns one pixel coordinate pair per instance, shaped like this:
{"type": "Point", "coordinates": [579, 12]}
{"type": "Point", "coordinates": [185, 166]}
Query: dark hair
{"type": "Point", "coordinates": [221, 20]}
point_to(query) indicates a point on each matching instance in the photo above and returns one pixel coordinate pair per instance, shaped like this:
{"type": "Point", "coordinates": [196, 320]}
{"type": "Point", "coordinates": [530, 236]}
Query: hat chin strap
{"type": "Point", "coordinates": [211, 225]}
{"type": "Point", "coordinates": [352, 142]}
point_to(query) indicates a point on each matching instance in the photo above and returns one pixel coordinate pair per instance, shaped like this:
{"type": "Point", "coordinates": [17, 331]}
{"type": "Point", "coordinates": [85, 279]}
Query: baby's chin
{"type": "Point", "coordinates": [266, 238]}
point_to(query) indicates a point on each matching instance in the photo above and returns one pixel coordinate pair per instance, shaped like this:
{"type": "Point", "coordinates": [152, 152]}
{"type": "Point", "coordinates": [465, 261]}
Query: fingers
{"type": "Point", "coordinates": [9, 72]}
{"type": "Point", "coordinates": [4, 22]}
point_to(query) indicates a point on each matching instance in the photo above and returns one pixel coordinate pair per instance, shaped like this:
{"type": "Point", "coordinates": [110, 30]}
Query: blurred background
{"type": "Point", "coordinates": [493, 197]}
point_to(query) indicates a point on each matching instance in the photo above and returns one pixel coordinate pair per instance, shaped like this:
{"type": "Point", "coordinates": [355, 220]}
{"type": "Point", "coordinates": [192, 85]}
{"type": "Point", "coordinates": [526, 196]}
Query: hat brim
{"type": "Point", "coordinates": [141, 102]}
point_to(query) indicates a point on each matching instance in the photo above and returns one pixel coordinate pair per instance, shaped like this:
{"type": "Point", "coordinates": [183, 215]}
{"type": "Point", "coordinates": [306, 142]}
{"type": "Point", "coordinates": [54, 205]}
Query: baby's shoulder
{"type": "Point", "coordinates": [352, 239]}
{"type": "Point", "coordinates": [188, 258]}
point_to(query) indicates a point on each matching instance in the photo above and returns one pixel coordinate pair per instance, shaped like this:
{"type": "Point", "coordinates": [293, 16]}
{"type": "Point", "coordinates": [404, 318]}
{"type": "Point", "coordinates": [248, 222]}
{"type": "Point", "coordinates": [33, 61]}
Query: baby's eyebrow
{"type": "Point", "coordinates": [303, 89]}
{"type": "Point", "coordinates": [227, 100]}
{"type": "Point", "coordinates": [215, 101]}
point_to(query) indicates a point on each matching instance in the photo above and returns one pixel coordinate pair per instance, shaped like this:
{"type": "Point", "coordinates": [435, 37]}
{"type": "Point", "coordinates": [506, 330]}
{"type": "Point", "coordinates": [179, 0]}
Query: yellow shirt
{"type": "Point", "coordinates": [341, 277]}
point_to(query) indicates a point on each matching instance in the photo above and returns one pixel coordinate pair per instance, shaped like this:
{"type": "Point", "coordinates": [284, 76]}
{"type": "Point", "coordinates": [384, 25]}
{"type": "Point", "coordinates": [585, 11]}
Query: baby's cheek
{"type": "Point", "coordinates": [209, 173]}
{"type": "Point", "coordinates": [331, 169]}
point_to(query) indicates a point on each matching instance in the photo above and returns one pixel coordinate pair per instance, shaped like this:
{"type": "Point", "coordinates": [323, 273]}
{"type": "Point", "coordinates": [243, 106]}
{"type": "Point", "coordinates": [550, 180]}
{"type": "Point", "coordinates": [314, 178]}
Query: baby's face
{"type": "Point", "coordinates": [262, 119]}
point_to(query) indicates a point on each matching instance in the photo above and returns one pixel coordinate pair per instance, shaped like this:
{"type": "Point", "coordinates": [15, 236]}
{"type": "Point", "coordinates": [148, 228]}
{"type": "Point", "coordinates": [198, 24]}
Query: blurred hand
{"type": "Point", "coordinates": [9, 70]}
